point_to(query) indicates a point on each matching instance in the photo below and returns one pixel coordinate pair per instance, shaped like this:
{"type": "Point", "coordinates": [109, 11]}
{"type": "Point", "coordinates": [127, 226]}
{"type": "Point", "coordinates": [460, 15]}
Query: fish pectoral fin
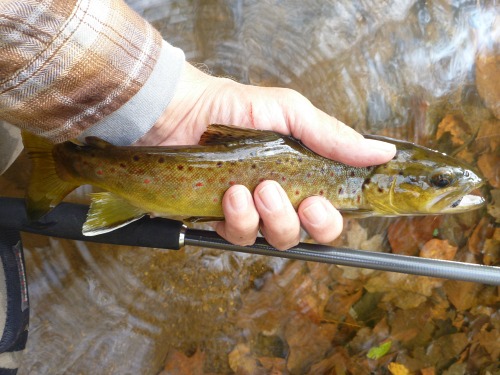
{"type": "Point", "coordinates": [356, 213]}
{"type": "Point", "coordinates": [232, 135]}
{"type": "Point", "coordinates": [108, 212]}
{"type": "Point", "coordinates": [203, 219]}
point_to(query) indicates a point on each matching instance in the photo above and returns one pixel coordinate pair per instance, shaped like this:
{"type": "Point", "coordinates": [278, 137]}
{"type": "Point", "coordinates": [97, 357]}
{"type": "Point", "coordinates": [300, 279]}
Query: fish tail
{"type": "Point", "coordinates": [46, 189]}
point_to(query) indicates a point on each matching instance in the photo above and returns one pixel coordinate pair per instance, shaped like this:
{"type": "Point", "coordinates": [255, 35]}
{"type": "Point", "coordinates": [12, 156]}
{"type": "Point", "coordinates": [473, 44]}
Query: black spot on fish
{"type": "Point", "coordinates": [161, 160]}
{"type": "Point", "coordinates": [352, 173]}
{"type": "Point", "coordinates": [254, 166]}
{"type": "Point", "coordinates": [340, 191]}
{"type": "Point", "coordinates": [299, 160]}
{"type": "Point", "coordinates": [219, 164]}
{"type": "Point", "coordinates": [400, 173]}
{"type": "Point", "coordinates": [123, 165]}
{"type": "Point", "coordinates": [380, 190]}
{"type": "Point", "coordinates": [136, 158]}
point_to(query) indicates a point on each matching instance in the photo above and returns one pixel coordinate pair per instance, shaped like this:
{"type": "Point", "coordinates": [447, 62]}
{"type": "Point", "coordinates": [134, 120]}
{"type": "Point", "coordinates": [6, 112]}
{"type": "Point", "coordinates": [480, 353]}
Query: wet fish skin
{"type": "Point", "coordinates": [190, 181]}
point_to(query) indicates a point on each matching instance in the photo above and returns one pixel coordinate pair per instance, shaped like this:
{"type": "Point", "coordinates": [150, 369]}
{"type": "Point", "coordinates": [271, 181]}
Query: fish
{"type": "Point", "coordinates": [188, 182]}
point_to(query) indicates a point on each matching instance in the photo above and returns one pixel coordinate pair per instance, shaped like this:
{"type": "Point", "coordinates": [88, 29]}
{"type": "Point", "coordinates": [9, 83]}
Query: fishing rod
{"type": "Point", "coordinates": [66, 220]}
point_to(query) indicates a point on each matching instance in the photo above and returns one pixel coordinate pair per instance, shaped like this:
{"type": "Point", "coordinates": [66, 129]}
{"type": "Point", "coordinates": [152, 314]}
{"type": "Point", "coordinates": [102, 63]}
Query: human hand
{"type": "Point", "coordinates": [201, 99]}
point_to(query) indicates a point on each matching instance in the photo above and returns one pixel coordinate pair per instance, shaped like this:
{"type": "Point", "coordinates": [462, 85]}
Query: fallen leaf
{"type": "Point", "coordinates": [308, 343]}
{"type": "Point", "coordinates": [438, 249]}
{"type": "Point", "coordinates": [463, 295]}
{"type": "Point", "coordinates": [178, 363]}
{"type": "Point", "coordinates": [397, 369]}
{"type": "Point", "coordinates": [241, 360]}
{"type": "Point", "coordinates": [377, 352]}
{"type": "Point", "coordinates": [489, 164]}
{"type": "Point", "coordinates": [456, 128]}
{"type": "Point", "coordinates": [482, 231]}
{"type": "Point", "coordinates": [408, 235]}
{"type": "Point", "coordinates": [490, 341]}
{"type": "Point", "coordinates": [494, 206]}
{"type": "Point", "coordinates": [488, 86]}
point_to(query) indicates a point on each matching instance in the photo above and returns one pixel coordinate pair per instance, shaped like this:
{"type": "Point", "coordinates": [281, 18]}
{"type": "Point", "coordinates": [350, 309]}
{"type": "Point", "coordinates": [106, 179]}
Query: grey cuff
{"type": "Point", "coordinates": [133, 119]}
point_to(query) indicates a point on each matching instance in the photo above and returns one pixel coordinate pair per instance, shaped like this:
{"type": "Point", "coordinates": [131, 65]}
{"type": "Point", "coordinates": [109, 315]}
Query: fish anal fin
{"type": "Point", "coordinates": [108, 212]}
{"type": "Point", "coordinates": [357, 213]}
{"type": "Point", "coordinates": [232, 135]}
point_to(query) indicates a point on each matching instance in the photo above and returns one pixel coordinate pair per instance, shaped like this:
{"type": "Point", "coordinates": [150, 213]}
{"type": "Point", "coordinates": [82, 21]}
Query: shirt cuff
{"type": "Point", "coordinates": [138, 115]}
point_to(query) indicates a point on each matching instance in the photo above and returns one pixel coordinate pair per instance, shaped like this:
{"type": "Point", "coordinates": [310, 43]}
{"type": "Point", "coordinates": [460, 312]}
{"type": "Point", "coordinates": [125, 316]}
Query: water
{"type": "Point", "coordinates": [392, 67]}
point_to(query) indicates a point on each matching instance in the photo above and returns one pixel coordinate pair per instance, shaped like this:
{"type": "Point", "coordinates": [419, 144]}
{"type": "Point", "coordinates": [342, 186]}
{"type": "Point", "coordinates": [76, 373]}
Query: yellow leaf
{"type": "Point", "coordinates": [398, 369]}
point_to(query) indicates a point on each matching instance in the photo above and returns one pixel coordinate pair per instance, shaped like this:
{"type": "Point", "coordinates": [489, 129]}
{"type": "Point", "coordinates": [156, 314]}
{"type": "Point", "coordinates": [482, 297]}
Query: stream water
{"type": "Point", "coordinates": [387, 67]}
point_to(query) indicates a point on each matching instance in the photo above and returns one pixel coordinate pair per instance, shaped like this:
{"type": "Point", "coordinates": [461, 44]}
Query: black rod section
{"type": "Point", "coordinates": [357, 258]}
{"type": "Point", "coordinates": [66, 221]}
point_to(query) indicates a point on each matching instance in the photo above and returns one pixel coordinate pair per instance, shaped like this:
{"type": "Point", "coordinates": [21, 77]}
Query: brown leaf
{"type": "Point", "coordinates": [463, 295]}
{"type": "Point", "coordinates": [438, 249]}
{"type": "Point", "coordinates": [494, 206]}
{"type": "Point", "coordinates": [489, 164]}
{"type": "Point", "coordinates": [482, 231]}
{"type": "Point", "coordinates": [179, 364]}
{"type": "Point", "coordinates": [242, 362]}
{"type": "Point", "coordinates": [408, 235]}
{"type": "Point", "coordinates": [488, 85]}
{"type": "Point", "coordinates": [490, 341]}
{"type": "Point", "coordinates": [455, 127]}
{"type": "Point", "coordinates": [308, 343]}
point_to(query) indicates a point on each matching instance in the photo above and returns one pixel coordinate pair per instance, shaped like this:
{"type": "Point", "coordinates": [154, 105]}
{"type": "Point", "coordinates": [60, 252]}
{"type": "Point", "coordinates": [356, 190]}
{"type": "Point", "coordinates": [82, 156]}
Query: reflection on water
{"type": "Point", "coordinates": [392, 67]}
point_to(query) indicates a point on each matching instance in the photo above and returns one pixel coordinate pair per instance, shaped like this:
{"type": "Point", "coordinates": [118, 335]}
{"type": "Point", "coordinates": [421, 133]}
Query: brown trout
{"type": "Point", "coordinates": [189, 182]}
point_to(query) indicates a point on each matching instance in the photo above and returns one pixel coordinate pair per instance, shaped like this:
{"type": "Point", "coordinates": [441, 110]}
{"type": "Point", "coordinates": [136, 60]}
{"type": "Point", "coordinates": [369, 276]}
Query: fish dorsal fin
{"type": "Point", "coordinates": [108, 212]}
{"type": "Point", "coordinates": [97, 142]}
{"type": "Point", "coordinates": [232, 135]}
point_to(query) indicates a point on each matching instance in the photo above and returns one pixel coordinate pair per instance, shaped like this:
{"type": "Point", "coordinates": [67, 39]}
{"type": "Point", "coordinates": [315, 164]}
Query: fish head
{"type": "Point", "coordinates": [421, 181]}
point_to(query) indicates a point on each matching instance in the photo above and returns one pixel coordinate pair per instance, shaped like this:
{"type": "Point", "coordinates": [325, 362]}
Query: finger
{"type": "Point", "coordinates": [241, 223]}
{"type": "Point", "coordinates": [330, 137]}
{"type": "Point", "coordinates": [320, 219]}
{"type": "Point", "coordinates": [280, 223]}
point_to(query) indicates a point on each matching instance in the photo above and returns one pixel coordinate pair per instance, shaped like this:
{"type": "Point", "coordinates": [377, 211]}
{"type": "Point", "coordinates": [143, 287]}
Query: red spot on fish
{"type": "Point", "coordinates": [147, 180]}
{"type": "Point", "coordinates": [283, 178]}
{"type": "Point", "coordinates": [309, 175]}
{"type": "Point", "coordinates": [180, 167]}
{"type": "Point", "coordinates": [332, 174]}
{"type": "Point", "coordinates": [321, 192]}
{"type": "Point", "coordinates": [199, 184]}
{"type": "Point", "coordinates": [358, 198]}
{"type": "Point", "coordinates": [99, 172]}
{"type": "Point", "coordinates": [261, 180]}
{"type": "Point", "coordinates": [216, 200]}
{"type": "Point", "coordinates": [113, 170]}
{"type": "Point", "coordinates": [190, 168]}
{"type": "Point", "coordinates": [140, 171]}
{"type": "Point", "coordinates": [297, 192]}
{"type": "Point", "coordinates": [222, 180]}
{"type": "Point", "coordinates": [232, 183]}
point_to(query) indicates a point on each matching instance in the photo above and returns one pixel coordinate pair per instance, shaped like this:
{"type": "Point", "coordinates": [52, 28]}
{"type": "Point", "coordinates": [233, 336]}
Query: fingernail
{"type": "Point", "coordinates": [315, 213]}
{"type": "Point", "coordinates": [373, 144]}
{"type": "Point", "coordinates": [238, 200]}
{"type": "Point", "coordinates": [271, 198]}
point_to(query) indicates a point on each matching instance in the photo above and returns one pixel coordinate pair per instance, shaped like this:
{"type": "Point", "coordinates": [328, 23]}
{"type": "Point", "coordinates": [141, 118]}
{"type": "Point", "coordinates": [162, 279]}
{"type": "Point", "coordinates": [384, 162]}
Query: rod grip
{"type": "Point", "coordinates": [66, 221]}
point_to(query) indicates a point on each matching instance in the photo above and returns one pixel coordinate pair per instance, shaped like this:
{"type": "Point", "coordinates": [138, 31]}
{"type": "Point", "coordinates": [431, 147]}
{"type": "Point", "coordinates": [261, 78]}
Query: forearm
{"type": "Point", "coordinates": [91, 67]}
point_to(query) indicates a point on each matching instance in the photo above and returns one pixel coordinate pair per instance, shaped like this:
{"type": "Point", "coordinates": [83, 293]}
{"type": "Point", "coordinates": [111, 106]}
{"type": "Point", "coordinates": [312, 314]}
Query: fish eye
{"type": "Point", "coordinates": [441, 178]}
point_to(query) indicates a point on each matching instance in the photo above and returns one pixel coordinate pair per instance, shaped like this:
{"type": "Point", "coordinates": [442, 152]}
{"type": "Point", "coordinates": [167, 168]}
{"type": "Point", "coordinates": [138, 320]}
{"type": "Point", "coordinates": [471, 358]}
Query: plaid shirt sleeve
{"type": "Point", "coordinates": [83, 67]}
